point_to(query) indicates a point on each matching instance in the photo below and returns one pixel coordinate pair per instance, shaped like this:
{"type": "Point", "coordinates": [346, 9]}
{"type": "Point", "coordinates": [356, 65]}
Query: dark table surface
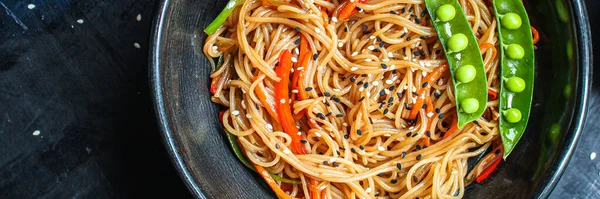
{"type": "Point", "coordinates": [76, 73]}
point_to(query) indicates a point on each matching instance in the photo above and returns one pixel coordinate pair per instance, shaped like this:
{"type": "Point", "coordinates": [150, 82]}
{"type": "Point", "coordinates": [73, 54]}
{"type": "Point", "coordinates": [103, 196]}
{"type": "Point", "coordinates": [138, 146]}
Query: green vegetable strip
{"type": "Point", "coordinates": [523, 68]}
{"type": "Point", "coordinates": [215, 24]}
{"type": "Point", "coordinates": [471, 55]}
{"type": "Point", "coordinates": [239, 154]}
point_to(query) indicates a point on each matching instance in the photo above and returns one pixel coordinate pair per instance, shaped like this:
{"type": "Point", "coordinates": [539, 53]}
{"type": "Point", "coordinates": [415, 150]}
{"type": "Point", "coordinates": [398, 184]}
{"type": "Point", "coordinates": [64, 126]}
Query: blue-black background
{"type": "Point", "coordinates": [84, 87]}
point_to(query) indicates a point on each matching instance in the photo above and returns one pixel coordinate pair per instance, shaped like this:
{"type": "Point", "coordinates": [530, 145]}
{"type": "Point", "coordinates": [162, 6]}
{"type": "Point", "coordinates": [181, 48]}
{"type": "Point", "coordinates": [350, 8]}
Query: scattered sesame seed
{"type": "Point", "coordinates": [80, 21]}
{"type": "Point", "coordinates": [36, 132]}
{"type": "Point", "coordinates": [354, 68]}
{"type": "Point", "coordinates": [318, 134]}
{"type": "Point", "coordinates": [361, 147]}
{"type": "Point", "coordinates": [592, 155]}
{"type": "Point", "coordinates": [297, 29]}
{"type": "Point", "coordinates": [380, 148]}
{"type": "Point", "coordinates": [368, 60]}
{"type": "Point", "coordinates": [399, 166]}
{"type": "Point", "coordinates": [403, 154]}
{"type": "Point", "coordinates": [394, 181]}
{"type": "Point", "coordinates": [335, 164]}
{"type": "Point", "coordinates": [375, 83]}
{"type": "Point", "coordinates": [358, 132]}
{"type": "Point", "coordinates": [415, 179]}
{"type": "Point", "coordinates": [368, 190]}
{"type": "Point", "coordinates": [419, 156]}
{"type": "Point", "coordinates": [371, 47]}
{"type": "Point", "coordinates": [308, 89]}
{"type": "Point", "coordinates": [287, 151]}
{"type": "Point", "coordinates": [138, 17]}
{"type": "Point", "coordinates": [325, 163]}
{"type": "Point", "coordinates": [383, 66]}
{"type": "Point", "coordinates": [317, 30]}
{"type": "Point", "coordinates": [334, 19]}
{"type": "Point", "coordinates": [441, 116]}
{"type": "Point", "coordinates": [235, 112]}
{"type": "Point", "coordinates": [137, 45]}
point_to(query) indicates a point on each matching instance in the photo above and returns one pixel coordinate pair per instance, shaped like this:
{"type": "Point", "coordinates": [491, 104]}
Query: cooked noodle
{"type": "Point", "coordinates": [349, 56]}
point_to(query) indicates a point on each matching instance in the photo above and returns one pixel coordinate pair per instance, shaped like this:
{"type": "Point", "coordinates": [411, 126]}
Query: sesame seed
{"type": "Point", "coordinates": [352, 79]}
{"type": "Point", "coordinates": [381, 93]}
{"type": "Point", "coordinates": [235, 112]}
{"type": "Point", "coordinates": [248, 116]}
{"type": "Point", "coordinates": [371, 47]}
{"type": "Point", "coordinates": [394, 181]}
{"type": "Point", "coordinates": [354, 68]}
{"type": "Point", "coordinates": [592, 155]}
{"type": "Point", "coordinates": [418, 147]}
{"type": "Point", "coordinates": [295, 91]}
{"type": "Point", "coordinates": [437, 110]}
{"type": "Point", "coordinates": [415, 179]}
{"type": "Point", "coordinates": [282, 101]}
{"type": "Point", "coordinates": [371, 37]}
{"type": "Point", "coordinates": [383, 66]}
{"type": "Point", "coordinates": [390, 54]}
{"type": "Point", "coordinates": [287, 151]}
{"type": "Point", "coordinates": [370, 120]}
{"type": "Point", "coordinates": [441, 116]}
{"type": "Point", "coordinates": [361, 147]}
{"type": "Point", "coordinates": [346, 137]}
{"type": "Point", "coordinates": [297, 42]}
{"type": "Point", "coordinates": [352, 149]}
{"type": "Point", "coordinates": [380, 148]}
{"type": "Point", "coordinates": [269, 126]}
{"type": "Point", "coordinates": [429, 114]}
{"type": "Point", "coordinates": [366, 85]}
{"type": "Point", "coordinates": [340, 44]}
{"type": "Point", "coordinates": [317, 30]}
{"type": "Point", "coordinates": [361, 99]}
{"type": "Point", "coordinates": [399, 166]}
{"type": "Point", "coordinates": [318, 134]}
{"type": "Point", "coordinates": [358, 132]}
{"type": "Point", "coordinates": [315, 56]}
{"type": "Point", "coordinates": [294, 59]}
{"type": "Point", "coordinates": [297, 29]}
{"type": "Point", "coordinates": [325, 163]}
{"type": "Point", "coordinates": [334, 19]}
{"type": "Point", "coordinates": [368, 190]}
{"type": "Point", "coordinates": [403, 154]}
{"type": "Point", "coordinates": [386, 111]}
{"type": "Point", "coordinates": [308, 89]}
{"type": "Point", "coordinates": [424, 106]}
{"type": "Point", "coordinates": [339, 115]}
{"type": "Point", "coordinates": [368, 60]}
{"type": "Point", "coordinates": [438, 51]}
{"type": "Point", "coordinates": [335, 164]}
{"type": "Point", "coordinates": [425, 84]}
{"type": "Point", "coordinates": [419, 156]}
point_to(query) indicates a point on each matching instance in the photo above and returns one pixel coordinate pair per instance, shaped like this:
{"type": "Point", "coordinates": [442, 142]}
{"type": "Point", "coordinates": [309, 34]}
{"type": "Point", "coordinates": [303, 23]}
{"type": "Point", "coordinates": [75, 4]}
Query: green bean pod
{"type": "Point", "coordinates": [462, 50]}
{"type": "Point", "coordinates": [516, 70]}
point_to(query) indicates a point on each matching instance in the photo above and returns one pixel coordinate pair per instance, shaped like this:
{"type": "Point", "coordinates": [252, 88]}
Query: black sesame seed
{"type": "Point", "coordinates": [422, 53]}
{"type": "Point", "coordinates": [315, 56]}
{"type": "Point", "coordinates": [352, 79]}
{"type": "Point", "coordinates": [277, 146]}
{"type": "Point", "coordinates": [303, 141]}
{"type": "Point", "coordinates": [381, 93]}
{"type": "Point", "coordinates": [327, 103]}
{"type": "Point", "coordinates": [366, 32]}
{"type": "Point", "coordinates": [379, 40]}
{"type": "Point", "coordinates": [394, 181]}
{"type": "Point", "coordinates": [417, 20]}
{"type": "Point", "coordinates": [392, 88]}
{"type": "Point", "coordinates": [403, 10]}
{"type": "Point", "coordinates": [338, 152]}
{"type": "Point", "coordinates": [359, 83]}
{"type": "Point", "coordinates": [428, 133]}
{"type": "Point", "coordinates": [325, 163]}
{"type": "Point", "coordinates": [424, 106]}
{"type": "Point", "coordinates": [329, 114]}
{"type": "Point", "coordinates": [408, 134]}
{"type": "Point", "coordinates": [419, 157]}
{"type": "Point", "coordinates": [381, 45]}
{"type": "Point", "coordinates": [424, 147]}
{"type": "Point", "coordinates": [423, 37]}
{"type": "Point", "coordinates": [441, 116]}
{"type": "Point", "coordinates": [425, 84]}
{"type": "Point", "coordinates": [403, 35]}
{"type": "Point", "coordinates": [393, 119]}
{"type": "Point", "coordinates": [320, 115]}
{"type": "Point", "coordinates": [308, 89]}
{"type": "Point", "coordinates": [437, 110]}
{"type": "Point", "coordinates": [394, 71]}
{"type": "Point", "coordinates": [408, 39]}
{"type": "Point", "coordinates": [409, 108]}
{"type": "Point", "coordinates": [376, 50]}
{"type": "Point", "coordinates": [346, 136]}
{"type": "Point", "coordinates": [327, 94]}
{"type": "Point", "coordinates": [415, 93]}
{"type": "Point", "coordinates": [361, 147]}
{"type": "Point", "coordinates": [277, 64]}
{"type": "Point", "coordinates": [363, 75]}
{"type": "Point", "coordinates": [381, 105]}
{"type": "Point", "coordinates": [335, 164]}
{"type": "Point", "coordinates": [361, 99]}
{"type": "Point", "coordinates": [414, 135]}
{"type": "Point", "coordinates": [337, 99]}
{"type": "Point", "coordinates": [381, 174]}
{"type": "Point", "coordinates": [497, 151]}
{"type": "Point", "coordinates": [383, 66]}
{"type": "Point", "coordinates": [359, 132]}
{"type": "Point", "coordinates": [399, 166]}
{"type": "Point", "coordinates": [358, 9]}
{"type": "Point", "coordinates": [366, 84]}
{"type": "Point", "coordinates": [391, 100]}
{"type": "Point", "coordinates": [411, 9]}
{"type": "Point", "coordinates": [393, 12]}
{"type": "Point", "coordinates": [436, 94]}
{"type": "Point", "coordinates": [403, 154]}
{"type": "Point", "coordinates": [353, 150]}
{"type": "Point", "coordinates": [370, 120]}
{"type": "Point", "coordinates": [386, 111]}
{"type": "Point", "coordinates": [437, 52]}
{"type": "Point", "coordinates": [476, 122]}
{"type": "Point", "coordinates": [339, 115]}
{"type": "Point", "coordinates": [418, 147]}
{"type": "Point", "coordinates": [364, 26]}
{"type": "Point", "coordinates": [415, 179]}
{"type": "Point", "coordinates": [423, 13]}
{"type": "Point", "coordinates": [297, 29]}
{"type": "Point", "coordinates": [399, 94]}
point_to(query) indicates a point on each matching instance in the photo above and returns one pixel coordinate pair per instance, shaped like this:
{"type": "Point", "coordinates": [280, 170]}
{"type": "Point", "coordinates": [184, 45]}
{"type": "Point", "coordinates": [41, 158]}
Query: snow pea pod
{"type": "Point", "coordinates": [516, 70]}
{"type": "Point", "coordinates": [464, 58]}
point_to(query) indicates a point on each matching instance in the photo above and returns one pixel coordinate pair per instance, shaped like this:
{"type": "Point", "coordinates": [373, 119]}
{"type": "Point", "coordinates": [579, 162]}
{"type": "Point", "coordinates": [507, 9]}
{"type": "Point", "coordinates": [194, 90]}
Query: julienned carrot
{"type": "Point", "coordinates": [304, 61]}
{"type": "Point", "coordinates": [492, 94]}
{"type": "Point", "coordinates": [429, 80]}
{"type": "Point", "coordinates": [453, 128]}
{"type": "Point", "coordinates": [282, 102]}
{"type": "Point", "coordinates": [429, 108]}
{"type": "Point", "coordinates": [348, 8]}
{"type": "Point", "coordinates": [267, 177]}
{"type": "Point", "coordinates": [417, 106]}
{"type": "Point", "coordinates": [267, 101]}
{"type": "Point", "coordinates": [213, 85]}
{"type": "Point", "coordinates": [484, 46]}
{"type": "Point", "coordinates": [536, 35]}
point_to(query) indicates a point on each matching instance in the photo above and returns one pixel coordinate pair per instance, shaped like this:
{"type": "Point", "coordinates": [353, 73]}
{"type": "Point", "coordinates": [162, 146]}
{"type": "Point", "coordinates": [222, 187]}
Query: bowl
{"type": "Point", "coordinates": [179, 79]}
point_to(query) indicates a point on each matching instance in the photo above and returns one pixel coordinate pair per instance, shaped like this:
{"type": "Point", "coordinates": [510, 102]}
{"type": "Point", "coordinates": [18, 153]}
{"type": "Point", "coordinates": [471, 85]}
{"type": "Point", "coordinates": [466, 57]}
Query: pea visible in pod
{"type": "Point", "coordinates": [516, 70]}
{"type": "Point", "coordinates": [464, 58]}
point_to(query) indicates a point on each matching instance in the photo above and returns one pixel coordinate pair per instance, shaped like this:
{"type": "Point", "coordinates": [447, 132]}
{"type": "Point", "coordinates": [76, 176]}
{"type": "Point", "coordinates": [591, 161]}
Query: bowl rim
{"type": "Point", "coordinates": [584, 46]}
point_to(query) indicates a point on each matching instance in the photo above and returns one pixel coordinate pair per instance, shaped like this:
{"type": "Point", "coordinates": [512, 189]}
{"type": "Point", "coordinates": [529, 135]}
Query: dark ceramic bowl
{"type": "Point", "coordinates": [194, 137]}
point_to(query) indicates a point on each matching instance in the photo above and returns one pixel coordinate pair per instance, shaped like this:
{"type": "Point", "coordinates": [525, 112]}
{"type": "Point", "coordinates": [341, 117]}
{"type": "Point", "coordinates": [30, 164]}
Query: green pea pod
{"type": "Point", "coordinates": [215, 24]}
{"type": "Point", "coordinates": [450, 22]}
{"type": "Point", "coordinates": [516, 63]}
{"type": "Point", "coordinates": [238, 153]}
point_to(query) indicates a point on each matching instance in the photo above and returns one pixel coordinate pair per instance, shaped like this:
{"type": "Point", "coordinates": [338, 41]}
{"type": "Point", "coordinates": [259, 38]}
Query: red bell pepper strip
{"type": "Point", "coordinates": [348, 8]}
{"type": "Point", "coordinates": [492, 94]}
{"type": "Point", "coordinates": [282, 102]}
{"type": "Point", "coordinates": [489, 170]}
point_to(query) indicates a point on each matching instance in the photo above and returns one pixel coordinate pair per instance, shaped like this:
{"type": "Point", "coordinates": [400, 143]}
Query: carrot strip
{"type": "Point", "coordinates": [492, 94]}
{"type": "Point", "coordinates": [429, 80]}
{"type": "Point", "coordinates": [304, 62]}
{"type": "Point", "coordinates": [484, 46]}
{"type": "Point", "coordinates": [347, 9]}
{"type": "Point", "coordinates": [429, 108]}
{"type": "Point", "coordinates": [213, 84]}
{"type": "Point", "coordinates": [282, 104]}
{"type": "Point", "coordinates": [453, 128]}
{"type": "Point", "coordinates": [536, 35]}
{"type": "Point", "coordinates": [269, 180]}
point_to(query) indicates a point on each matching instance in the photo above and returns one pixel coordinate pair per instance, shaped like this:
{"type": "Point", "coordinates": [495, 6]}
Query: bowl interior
{"type": "Point", "coordinates": [188, 119]}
